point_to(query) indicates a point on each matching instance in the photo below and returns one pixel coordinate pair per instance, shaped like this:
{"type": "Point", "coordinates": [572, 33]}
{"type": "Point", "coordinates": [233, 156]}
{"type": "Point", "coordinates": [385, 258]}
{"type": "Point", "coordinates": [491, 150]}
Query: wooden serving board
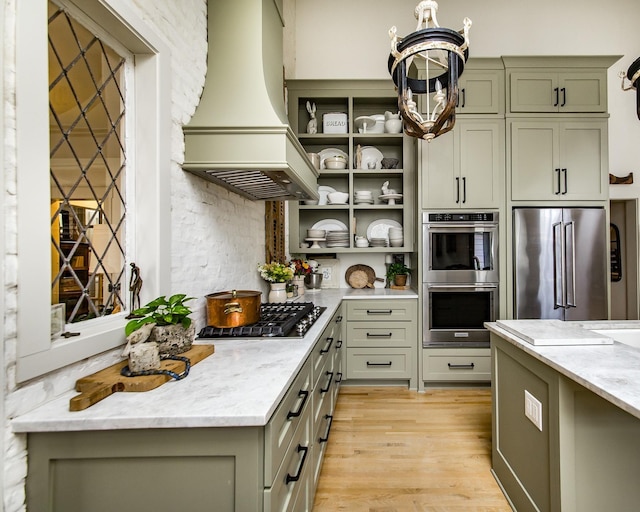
{"type": "Point", "coordinates": [100, 385]}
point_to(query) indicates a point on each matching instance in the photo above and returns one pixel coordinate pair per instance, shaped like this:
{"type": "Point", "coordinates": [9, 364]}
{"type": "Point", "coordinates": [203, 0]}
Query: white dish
{"type": "Point", "coordinates": [328, 152]}
{"type": "Point", "coordinates": [371, 158]}
{"type": "Point", "coordinates": [364, 123]}
{"type": "Point", "coordinates": [323, 192]}
{"type": "Point", "coordinates": [380, 228]}
{"type": "Point", "coordinates": [390, 198]}
{"type": "Point", "coordinates": [330, 225]}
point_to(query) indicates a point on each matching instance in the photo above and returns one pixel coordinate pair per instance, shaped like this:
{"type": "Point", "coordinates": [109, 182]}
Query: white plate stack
{"type": "Point", "coordinates": [337, 238]}
{"type": "Point", "coordinates": [396, 238]}
{"type": "Point", "coordinates": [378, 242]}
{"type": "Point", "coordinates": [363, 197]}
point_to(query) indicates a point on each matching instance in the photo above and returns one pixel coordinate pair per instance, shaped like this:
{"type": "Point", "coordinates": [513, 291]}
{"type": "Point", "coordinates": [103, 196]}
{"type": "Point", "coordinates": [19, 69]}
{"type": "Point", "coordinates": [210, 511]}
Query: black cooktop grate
{"type": "Point", "coordinates": [276, 319]}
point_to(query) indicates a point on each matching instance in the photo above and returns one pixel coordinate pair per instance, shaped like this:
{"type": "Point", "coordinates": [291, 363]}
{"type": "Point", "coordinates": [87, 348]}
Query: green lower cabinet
{"type": "Point", "coordinates": [584, 457]}
{"type": "Point", "coordinates": [456, 365]}
{"type": "Point", "coordinates": [381, 340]}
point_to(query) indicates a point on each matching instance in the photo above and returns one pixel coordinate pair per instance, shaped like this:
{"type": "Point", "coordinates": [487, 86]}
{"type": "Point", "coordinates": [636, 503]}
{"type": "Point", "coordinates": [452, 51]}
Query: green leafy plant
{"type": "Point", "coordinates": [162, 311]}
{"type": "Point", "coordinates": [397, 268]}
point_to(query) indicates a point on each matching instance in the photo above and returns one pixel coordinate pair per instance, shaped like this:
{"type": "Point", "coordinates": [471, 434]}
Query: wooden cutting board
{"type": "Point", "coordinates": [100, 385]}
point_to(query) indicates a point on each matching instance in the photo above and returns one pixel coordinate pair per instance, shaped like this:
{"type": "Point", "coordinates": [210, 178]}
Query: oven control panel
{"type": "Point", "coordinates": [462, 217]}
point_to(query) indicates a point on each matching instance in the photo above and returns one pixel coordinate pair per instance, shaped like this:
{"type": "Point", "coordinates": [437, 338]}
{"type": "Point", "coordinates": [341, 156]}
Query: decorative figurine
{"type": "Point", "coordinates": [312, 125]}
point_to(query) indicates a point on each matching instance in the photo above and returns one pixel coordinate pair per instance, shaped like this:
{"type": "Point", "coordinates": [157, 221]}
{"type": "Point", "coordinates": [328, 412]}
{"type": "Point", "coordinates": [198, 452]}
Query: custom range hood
{"type": "Point", "coordinates": [239, 136]}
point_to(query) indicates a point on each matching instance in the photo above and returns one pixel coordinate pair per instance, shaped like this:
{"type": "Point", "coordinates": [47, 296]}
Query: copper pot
{"type": "Point", "coordinates": [233, 309]}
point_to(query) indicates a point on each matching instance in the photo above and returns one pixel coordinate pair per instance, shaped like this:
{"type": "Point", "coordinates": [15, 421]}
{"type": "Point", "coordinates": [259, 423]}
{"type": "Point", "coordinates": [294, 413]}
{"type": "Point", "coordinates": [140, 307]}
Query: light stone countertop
{"type": "Point", "coordinates": [610, 371]}
{"type": "Point", "coordinates": [241, 384]}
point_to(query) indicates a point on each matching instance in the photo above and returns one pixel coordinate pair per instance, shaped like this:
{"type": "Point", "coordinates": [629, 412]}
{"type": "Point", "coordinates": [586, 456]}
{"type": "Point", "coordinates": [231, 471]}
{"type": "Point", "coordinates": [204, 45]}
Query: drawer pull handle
{"type": "Point", "coordinates": [339, 379]}
{"type": "Point", "coordinates": [339, 344]}
{"type": "Point", "coordinates": [378, 364]}
{"type": "Point", "coordinates": [327, 346]}
{"type": "Point", "coordinates": [326, 436]}
{"type": "Point", "coordinates": [304, 395]}
{"type": "Point", "coordinates": [339, 319]}
{"type": "Point", "coordinates": [296, 477]}
{"type": "Point", "coordinates": [324, 390]}
{"type": "Point", "coordinates": [379, 311]}
{"type": "Point", "coordinates": [469, 366]}
{"type": "Point", "coordinates": [375, 335]}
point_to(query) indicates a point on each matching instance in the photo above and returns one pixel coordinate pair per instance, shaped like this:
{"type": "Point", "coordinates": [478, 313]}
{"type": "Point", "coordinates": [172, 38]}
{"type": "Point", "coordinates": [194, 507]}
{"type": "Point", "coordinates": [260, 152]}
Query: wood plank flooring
{"type": "Point", "coordinates": [395, 450]}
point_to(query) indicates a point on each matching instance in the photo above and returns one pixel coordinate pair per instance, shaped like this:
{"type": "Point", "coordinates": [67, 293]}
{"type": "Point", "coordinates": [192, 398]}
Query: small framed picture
{"type": "Point", "coordinates": [57, 320]}
{"type": "Point", "coordinates": [330, 270]}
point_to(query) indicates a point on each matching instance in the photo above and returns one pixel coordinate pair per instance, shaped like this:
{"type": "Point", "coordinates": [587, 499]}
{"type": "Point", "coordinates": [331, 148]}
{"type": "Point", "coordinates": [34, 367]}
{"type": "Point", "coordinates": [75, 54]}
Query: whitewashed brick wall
{"type": "Point", "coordinates": [217, 237]}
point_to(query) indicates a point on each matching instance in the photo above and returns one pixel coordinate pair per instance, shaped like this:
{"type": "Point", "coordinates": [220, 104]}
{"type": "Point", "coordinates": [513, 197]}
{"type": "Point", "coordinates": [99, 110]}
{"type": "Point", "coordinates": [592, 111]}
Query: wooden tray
{"type": "Point", "coordinates": [99, 385]}
{"type": "Point", "coordinates": [360, 276]}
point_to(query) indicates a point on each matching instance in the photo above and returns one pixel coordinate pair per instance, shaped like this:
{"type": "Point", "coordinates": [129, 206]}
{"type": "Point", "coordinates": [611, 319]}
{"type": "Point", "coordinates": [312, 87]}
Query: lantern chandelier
{"type": "Point", "coordinates": [633, 75]}
{"type": "Point", "coordinates": [445, 53]}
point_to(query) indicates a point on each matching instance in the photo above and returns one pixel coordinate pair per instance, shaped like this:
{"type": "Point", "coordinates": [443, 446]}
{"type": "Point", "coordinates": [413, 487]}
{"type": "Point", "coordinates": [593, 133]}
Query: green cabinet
{"type": "Point", "coordinates": [456, 364]}
{"type": "Point", "coordinates": [557, 84]}
{"type": "Point", "coordinates": [558, 159]}
{"type": "Point", "coordinates": [464, 168]}
{"type": "Point", "coordinates": [353, 99]}
{"type": "Point", "coordinates": [381, 340]}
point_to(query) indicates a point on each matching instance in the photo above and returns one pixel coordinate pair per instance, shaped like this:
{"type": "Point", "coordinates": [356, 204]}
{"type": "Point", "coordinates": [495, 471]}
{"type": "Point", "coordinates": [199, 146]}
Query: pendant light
{"type": "Point", "coordinates": [633, 75]}
{"type": "Point", "coordinates": [445, 53]}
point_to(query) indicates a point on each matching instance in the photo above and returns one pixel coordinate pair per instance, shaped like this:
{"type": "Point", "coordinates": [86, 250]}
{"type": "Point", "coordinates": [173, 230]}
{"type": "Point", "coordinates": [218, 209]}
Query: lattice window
{"type": "Point", "coordinates": [87, 163]}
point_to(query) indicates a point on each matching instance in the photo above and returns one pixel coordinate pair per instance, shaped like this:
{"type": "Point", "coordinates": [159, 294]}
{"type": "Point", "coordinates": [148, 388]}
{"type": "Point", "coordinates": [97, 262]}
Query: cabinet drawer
{"type": "Point", "coordinates": [322, 355]}
{"type": "Point", "coordinates": [387, 334]}
{"type": "Point", "coordinates": [293, 476]}
{"type": "Point", "coordinates": [378, 363]}
{"type": "Point", "coordinates": [381, 310]}
{"type": "Point", "coordinates": [284, 422]}
{"type": "Point", "coordinates": [457, 367]}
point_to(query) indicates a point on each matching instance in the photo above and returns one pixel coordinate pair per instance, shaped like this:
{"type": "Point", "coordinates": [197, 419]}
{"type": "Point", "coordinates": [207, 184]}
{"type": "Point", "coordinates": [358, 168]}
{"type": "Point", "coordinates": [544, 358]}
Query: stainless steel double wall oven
{"type": "Point", "coordinates": [460, 277]}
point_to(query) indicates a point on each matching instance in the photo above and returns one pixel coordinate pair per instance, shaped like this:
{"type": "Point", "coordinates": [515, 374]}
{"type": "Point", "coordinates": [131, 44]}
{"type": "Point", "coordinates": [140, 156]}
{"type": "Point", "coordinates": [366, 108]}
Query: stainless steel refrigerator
{"type": "Point", "coordinates": [560, 263]}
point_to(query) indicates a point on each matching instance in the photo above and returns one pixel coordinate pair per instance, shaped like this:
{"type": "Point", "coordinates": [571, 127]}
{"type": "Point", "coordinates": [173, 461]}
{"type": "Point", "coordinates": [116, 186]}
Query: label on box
{"type": "Point", "coordinates": [334, 122]}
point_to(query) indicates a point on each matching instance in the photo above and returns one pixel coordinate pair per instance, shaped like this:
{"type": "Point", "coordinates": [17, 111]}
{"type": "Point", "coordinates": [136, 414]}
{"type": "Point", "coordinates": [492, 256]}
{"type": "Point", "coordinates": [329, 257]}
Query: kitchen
{"type": "Point", "coordinates": [224, 239]}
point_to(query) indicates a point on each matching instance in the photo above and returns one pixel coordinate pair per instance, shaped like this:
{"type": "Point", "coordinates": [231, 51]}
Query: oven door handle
{"type": "Point", "coordinates": [452, 228]}
{"type": "Point", "coordinates": [461, 286]}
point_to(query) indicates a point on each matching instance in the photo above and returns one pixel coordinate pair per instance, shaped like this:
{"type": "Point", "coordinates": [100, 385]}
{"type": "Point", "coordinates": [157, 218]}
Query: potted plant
{"type": "Point", "coordinates": [398, 272]}
{"type": "Point", "coordinates": [277, 274]}
{"type": "Point", "coordinates": [172, 328]}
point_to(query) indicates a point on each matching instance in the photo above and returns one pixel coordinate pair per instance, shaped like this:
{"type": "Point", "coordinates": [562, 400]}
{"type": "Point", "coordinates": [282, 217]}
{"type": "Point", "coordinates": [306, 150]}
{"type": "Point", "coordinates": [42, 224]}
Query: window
{"type": "Point", "coordinates": [144, 189]}
{"type": "Point", "coordinates": [87, 115]}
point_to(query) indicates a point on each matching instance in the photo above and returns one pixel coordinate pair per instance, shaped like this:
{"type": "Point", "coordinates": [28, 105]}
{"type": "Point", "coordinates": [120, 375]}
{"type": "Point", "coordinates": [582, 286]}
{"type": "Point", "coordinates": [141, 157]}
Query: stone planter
{"type": "Point", "coordinates": [173, 339]}
{"type": "Point", "coordinates": [278, 292]}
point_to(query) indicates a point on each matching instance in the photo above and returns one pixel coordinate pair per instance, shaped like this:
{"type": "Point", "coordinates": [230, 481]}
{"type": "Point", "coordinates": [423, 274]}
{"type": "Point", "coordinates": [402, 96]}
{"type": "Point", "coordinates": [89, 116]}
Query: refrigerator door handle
{"type": "Point", "coordinates": [559, 288]}
{"type": "Point", "coordinates": [570, 258]}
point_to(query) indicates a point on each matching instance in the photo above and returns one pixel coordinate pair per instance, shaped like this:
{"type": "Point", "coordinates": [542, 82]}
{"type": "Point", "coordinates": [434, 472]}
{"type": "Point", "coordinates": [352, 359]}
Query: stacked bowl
{"type": "Point", "coordinates": [363, 197]}
{"type": "Point", "coordinates": [396, 238]}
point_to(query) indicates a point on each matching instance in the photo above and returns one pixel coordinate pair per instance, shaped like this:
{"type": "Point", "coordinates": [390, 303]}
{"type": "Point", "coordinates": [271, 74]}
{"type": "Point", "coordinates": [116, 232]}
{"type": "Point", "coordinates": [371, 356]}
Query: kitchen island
{"type": "Point", "coordinates": [233, 435]}
{"type": "Point", "coordinates": [566, 415]}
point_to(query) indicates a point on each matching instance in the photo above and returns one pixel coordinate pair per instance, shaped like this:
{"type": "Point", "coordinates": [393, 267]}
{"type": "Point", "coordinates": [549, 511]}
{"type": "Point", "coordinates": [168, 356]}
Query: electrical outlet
{"type": "Point", "coordinates": [533, 409]}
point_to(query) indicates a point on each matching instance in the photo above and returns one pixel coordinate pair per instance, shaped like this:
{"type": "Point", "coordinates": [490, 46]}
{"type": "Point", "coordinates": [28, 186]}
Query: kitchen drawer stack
{"type": "Point", "coordinates": [353, 100]}
{"type": "Point", "coordinates": [381, 340]}
{"type": "Point", "coordinates": [297, 434]}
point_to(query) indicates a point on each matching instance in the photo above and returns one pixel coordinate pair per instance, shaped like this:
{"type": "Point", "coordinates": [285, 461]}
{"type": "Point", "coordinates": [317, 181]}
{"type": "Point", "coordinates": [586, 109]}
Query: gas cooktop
{"type": "Point", "coordinates": [287, 319]}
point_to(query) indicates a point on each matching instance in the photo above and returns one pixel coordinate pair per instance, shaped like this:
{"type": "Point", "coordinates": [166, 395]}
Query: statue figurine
{"type": "Point", "coordinates": [312, 125]}
{"type": "Point", "coordinates": [135, 285]}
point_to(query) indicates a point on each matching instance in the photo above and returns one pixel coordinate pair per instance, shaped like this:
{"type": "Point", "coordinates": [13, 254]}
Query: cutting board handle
{"type": "Point", "coordinates": [93, 395]}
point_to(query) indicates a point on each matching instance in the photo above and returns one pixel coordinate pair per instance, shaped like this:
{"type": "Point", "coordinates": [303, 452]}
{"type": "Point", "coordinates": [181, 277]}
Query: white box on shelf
{"type": "Point", "coordinates": [334, 122]}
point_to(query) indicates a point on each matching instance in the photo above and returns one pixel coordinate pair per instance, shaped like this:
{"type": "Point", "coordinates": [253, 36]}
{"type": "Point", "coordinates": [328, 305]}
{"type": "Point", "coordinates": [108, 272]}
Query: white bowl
{"type": "Point", "coordinates": [335, 162]}
{"type": "Point", "coordinates": [396, 243]}
{"type": "Point", "coordinates": [310, 201]}
{"type": "Point", "coordinates": [316, 233]}
{"type": "Point", "coordinates": [338, 197]}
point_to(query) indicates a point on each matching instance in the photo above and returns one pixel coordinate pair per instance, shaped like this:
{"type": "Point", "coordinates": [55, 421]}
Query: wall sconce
{"type": "Point", "coordinates": [445, 52]}
{"type": "Point", "coordinates": [633, 75]}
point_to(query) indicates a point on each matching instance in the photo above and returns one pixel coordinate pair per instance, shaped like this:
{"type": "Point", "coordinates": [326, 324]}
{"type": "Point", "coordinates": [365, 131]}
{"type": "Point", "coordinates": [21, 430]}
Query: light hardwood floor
{"type": "Point", "coordinates": [395, 450]}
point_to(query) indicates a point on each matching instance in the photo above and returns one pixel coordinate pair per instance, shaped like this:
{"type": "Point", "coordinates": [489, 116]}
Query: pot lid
{"type": "Point", "coordinates": [234, 294]}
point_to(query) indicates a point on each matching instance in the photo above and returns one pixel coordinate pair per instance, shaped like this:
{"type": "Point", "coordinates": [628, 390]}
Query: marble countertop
{"type": "Point", "coordinates": [241, 384]}
{"type": "Point", "coordinates": [611, 371]}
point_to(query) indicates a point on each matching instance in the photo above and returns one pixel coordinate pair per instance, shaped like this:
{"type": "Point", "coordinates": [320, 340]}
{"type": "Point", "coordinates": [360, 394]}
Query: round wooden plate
{"type": "Point", "coordinates": [356, 282]}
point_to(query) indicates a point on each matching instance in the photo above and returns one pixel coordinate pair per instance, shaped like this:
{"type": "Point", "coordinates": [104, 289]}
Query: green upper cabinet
{"type": "Point", "coordinates": [480, 87]}
{"type": "Point", "coordinates": [558, 160]}
{"type": "Point", "coordinates": [464, 168]}
{"type": "Point", "coordinates": [557, 84]}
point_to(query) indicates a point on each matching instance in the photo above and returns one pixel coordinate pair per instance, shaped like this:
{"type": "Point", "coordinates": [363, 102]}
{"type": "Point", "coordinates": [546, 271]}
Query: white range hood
{"type": "Point", "coordinates": [239, 136]}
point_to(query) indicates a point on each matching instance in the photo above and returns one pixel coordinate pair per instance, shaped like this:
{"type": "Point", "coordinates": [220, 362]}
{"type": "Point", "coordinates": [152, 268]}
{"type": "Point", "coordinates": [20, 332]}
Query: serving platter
{"type": "Point", "coordinates": [370, 158]}
{"type": "Point", "coordinates": [380, 228]}
{"type": "Point", "coordinates": [330, 225]}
